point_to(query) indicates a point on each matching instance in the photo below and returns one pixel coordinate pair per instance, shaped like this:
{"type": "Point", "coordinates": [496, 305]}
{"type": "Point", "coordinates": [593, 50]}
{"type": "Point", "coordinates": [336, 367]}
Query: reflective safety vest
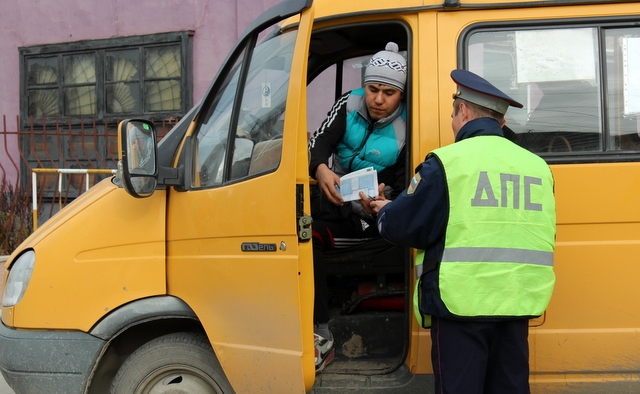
{"type": "Point", "coordinates": [500, 236]}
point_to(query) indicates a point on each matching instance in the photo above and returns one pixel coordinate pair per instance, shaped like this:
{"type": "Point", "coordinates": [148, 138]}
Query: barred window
{"type": "Point", "coordinates": [75, 94]}
{"type": "Point", "coordinates": [104, 79]}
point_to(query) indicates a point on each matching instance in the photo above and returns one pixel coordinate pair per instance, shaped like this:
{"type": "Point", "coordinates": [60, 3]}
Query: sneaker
{"type": "Point", "coordinates": [324, 351]}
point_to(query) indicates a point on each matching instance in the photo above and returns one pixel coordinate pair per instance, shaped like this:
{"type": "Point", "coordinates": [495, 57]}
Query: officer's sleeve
{"type": "Point", "coordinates": [417, 217]}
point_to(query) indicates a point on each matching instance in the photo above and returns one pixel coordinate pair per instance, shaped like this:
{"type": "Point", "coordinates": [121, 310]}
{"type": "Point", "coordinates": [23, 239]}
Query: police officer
{"type": "Point", "coordinates": [482, 214]}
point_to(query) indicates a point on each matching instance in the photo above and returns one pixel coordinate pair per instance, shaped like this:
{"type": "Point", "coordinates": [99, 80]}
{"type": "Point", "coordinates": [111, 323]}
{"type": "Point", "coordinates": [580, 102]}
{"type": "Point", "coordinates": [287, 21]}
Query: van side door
{"type": "Point", "coordinates": [238, 251]}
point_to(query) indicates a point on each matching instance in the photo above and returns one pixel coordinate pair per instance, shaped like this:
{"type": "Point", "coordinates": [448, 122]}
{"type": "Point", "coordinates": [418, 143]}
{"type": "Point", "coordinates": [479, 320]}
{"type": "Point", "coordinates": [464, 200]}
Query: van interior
{"type": "Point", "coordinates": [367, 283]}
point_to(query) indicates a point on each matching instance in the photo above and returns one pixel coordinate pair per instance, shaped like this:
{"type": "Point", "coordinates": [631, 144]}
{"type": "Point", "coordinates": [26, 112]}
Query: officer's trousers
{"type": "Point", "coordinates": [472, 357]}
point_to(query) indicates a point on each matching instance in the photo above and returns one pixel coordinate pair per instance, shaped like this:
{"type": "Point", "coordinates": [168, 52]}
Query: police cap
{"type": "Point", "coordinates": [479, 91]}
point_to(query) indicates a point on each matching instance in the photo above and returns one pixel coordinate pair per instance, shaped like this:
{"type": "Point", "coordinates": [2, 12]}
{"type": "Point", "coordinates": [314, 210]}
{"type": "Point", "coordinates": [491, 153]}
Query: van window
{"type": "Point", "coordinates": [573, 104]}
{"type": "Point", "coordinates": [213, 134]}
{"type": "Point", "coordinates": [253, 120]}
{"type": "Point", "coordinates": [622, 47]}
{"type": "Point", "coordinates": [322, 92]}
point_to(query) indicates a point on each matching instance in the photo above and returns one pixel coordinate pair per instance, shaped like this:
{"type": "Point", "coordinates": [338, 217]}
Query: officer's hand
{"type": "Point", "coordinates": [328, 181]}
{"type": "Point", "coordinates": [372, 205]}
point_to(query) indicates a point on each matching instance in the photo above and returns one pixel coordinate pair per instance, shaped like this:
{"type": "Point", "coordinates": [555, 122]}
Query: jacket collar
{"type": "Point", "coordinates": [479, 126]}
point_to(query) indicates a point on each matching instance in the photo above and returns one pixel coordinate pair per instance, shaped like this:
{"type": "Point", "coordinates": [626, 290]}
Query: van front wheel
{"type": "Point", "coordinates": [180, 362]}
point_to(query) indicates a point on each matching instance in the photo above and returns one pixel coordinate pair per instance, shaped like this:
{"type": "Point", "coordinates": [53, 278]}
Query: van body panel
{"type": "Point", "coordinates": [333, 8]}
{"type": "Point", "coordinates": [429, 114]}
{"type": "Point", "coordinates": [123, 264]}
{"type": "Point", "coordinates": [596, 254]}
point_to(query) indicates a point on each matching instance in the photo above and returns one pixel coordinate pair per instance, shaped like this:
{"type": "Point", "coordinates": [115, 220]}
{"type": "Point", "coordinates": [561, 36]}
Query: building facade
{"type": "Point", "coordinates": [71, 69]}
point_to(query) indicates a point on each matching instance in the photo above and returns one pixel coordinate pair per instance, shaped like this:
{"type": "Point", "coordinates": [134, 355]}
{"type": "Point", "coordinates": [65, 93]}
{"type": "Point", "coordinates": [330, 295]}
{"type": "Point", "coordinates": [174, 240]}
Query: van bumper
{"type": "Point", "coordinates": [47, 361]}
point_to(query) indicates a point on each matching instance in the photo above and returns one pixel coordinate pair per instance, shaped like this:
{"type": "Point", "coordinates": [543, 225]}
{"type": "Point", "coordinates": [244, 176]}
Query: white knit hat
{"type": "Point", "coordinates": [387, 67]}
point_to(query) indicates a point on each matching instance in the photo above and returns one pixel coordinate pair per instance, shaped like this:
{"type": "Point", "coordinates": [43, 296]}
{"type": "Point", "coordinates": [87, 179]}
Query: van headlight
{"type": "Point", "coordinates": [19, 276]}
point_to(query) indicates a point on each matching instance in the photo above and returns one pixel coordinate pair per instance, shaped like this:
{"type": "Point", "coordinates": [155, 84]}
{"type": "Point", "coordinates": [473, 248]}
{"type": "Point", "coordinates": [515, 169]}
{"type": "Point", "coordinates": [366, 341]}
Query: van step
{"type": "Point", "coordinates": [400, 381]}
{"type": "Point", "coordinates": [371, 341]}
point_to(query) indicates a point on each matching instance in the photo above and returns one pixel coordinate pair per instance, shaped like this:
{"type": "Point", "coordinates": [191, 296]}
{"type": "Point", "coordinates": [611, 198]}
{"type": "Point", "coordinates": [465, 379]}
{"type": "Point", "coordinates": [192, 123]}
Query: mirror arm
{"type": "Point", "coordinates": [170, 176]}
{"type": "Point", "coordinates": [186, 169]}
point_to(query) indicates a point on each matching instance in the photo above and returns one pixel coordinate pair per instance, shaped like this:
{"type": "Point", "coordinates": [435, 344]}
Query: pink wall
{"type": "Point", "coordinates": [217, 25]}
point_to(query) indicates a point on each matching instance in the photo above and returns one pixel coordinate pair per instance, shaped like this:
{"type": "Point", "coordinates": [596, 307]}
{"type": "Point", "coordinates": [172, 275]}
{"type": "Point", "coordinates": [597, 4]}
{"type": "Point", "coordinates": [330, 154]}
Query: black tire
{"type": "Point", "coordinates": [175, 363]}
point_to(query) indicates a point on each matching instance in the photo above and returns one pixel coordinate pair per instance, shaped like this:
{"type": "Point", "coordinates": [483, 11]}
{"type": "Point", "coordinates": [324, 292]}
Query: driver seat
{"type": "Point", "coordinates": [265, 156]}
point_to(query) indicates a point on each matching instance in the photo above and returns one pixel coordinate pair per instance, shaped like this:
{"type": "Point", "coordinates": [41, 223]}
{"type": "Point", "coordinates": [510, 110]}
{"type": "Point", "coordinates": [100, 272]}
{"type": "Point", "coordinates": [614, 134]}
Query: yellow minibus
{"type": "Point", "coordinates": [191, 270]}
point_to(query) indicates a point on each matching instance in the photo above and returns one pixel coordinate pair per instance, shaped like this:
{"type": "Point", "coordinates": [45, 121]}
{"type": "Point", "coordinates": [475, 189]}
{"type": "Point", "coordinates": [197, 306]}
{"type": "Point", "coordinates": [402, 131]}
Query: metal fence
{"type": "Point", "coordinates": [46, 163]}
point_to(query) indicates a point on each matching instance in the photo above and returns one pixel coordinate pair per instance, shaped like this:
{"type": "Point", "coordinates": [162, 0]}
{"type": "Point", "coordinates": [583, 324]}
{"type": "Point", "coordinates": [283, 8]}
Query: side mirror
{"type": "Point", "coordinates": [137, 152]}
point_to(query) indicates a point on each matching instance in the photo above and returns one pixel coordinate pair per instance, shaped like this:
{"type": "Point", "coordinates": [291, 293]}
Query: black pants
{"type": "Point", "coordinates": [329, 235]}
{"type": "Point", "coordinates": [480, 357]}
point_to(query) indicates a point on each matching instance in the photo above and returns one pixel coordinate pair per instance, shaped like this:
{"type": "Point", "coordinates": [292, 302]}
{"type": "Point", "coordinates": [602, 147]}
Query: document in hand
{"type": "Point", "coordinates": [365, 180]}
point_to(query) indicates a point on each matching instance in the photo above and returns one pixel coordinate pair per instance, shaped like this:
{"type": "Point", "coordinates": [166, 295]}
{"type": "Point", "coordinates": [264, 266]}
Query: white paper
{"type": "Point", "coordinates": [556, 55]}
{"type": "Point", "coordinates": [364, 180]}
{"type": "Point", "coordinates": [631, 57]}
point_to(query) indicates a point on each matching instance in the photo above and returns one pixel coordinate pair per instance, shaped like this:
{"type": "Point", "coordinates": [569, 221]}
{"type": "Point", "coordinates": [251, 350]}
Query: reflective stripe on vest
{"type": "Point", "coordinates": [498, 255]}
{"type": "Point", "coordinates": [500, 236]}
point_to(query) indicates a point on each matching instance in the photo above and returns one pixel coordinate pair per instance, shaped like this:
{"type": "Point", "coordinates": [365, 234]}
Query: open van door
{"type": "Point", "coordinates": [238, 236]}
